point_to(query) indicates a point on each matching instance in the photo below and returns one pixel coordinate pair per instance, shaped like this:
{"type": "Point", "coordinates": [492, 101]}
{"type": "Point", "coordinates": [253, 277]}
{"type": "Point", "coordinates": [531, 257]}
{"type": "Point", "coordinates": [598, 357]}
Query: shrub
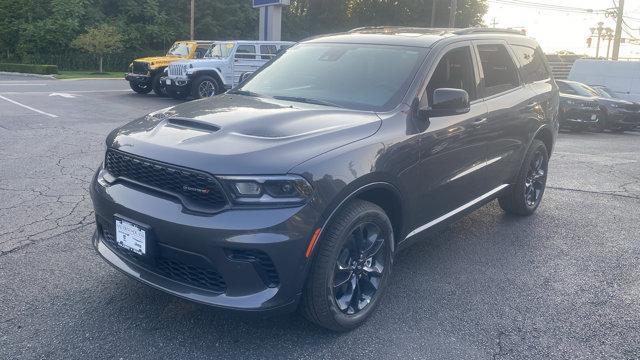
{"type": "Point", "coordinates": [30, 68]}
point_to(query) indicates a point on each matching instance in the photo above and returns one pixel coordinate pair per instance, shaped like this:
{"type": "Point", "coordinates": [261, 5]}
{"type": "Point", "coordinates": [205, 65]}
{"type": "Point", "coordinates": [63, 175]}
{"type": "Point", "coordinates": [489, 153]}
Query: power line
{"type": "Point", "coordinates": [552, 7]}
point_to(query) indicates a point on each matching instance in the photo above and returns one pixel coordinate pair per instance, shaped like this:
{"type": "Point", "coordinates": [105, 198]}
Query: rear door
{"type": "Point", "coordinates": [246, 60]}
{"type": "Point", "coordinates": [511, 106]}
{"type": "Point", "coordinates": [452, 150]}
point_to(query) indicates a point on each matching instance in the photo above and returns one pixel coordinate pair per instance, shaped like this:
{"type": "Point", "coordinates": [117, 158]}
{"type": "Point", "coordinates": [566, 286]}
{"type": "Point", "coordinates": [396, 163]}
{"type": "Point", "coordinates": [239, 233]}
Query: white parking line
{"type": "Point", "coordinates": [28, 107]}
{"type": "Point", "coordinates": [66, 91]}
{"type": "Point", "coordinates": [20, 84]}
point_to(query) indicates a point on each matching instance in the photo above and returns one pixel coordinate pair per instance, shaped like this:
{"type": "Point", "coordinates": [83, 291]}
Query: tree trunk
{"type": "Point", "coordinates": [100, 63]}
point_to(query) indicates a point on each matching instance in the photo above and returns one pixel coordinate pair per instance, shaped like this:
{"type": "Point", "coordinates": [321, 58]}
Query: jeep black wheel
{"type": "Point", "coordinates": [525, 195]}
{"type": "Point", "coordinates": [140, 88]}
{"type": "Point", "coordinates": [350, 269]}
{"type": "Point", "coordinates": [205, 86]}
{"type": "Point", "coordinates": [158, 88]}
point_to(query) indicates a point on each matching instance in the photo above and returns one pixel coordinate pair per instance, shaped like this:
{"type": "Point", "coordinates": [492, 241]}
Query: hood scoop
{"type": "Point", "coordinates": [187, 123]}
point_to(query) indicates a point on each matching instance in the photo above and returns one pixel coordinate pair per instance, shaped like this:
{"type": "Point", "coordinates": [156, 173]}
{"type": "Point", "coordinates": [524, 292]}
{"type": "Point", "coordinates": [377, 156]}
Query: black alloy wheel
{"type": "Point", "coordinates": [359, 268]}
{"type": "Point", "coordinates": [350, 267]}
{"type": "Point", "coordinates": [535, 181]}
{"type": "Point", "coordinates": [524, 196]}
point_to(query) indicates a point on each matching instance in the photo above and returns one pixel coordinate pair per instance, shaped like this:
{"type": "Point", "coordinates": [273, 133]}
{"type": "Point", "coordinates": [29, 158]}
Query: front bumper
{"type": "Point", "coordinates": [576, 117]}
{"type": "Point", "coordinates": [240, 259]}
{"type": "Point", "coordinates": [137, 78]}
{"type": "Point", "coordinates": [176, 83]}
{"type": "Point", "coordinates": [624, 118]}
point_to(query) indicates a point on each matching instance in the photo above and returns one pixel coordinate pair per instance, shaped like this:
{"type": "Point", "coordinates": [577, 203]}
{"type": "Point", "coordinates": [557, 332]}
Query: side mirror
{"type": "Point", "coordinates": [446, 102]}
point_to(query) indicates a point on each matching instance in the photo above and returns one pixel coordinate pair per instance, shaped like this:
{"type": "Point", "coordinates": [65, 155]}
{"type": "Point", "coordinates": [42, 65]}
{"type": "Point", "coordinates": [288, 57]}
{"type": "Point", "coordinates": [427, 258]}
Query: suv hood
{"type": "Point", "coordinates": [241, 135]}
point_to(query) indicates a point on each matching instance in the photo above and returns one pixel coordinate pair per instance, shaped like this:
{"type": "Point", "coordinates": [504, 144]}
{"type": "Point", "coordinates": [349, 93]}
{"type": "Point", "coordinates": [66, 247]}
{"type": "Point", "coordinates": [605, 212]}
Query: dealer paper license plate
{"type": "Point", "coordinates": [131, 236]}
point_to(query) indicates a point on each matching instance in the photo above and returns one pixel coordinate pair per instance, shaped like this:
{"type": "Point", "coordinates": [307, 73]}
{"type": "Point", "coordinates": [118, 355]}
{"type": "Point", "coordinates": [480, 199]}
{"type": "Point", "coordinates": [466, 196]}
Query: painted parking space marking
{"type": "Point", "coordinates": [28, 107]}
{"type": "Point", "coordinates": [66, 92]}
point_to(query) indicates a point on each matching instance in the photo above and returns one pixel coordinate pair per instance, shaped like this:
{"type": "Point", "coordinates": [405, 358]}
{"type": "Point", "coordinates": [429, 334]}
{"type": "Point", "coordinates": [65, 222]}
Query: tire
{"type": "Point", "coordinates": [178, 95]}
{"type": "Point", "coordinates": [522, 199]}
{"type": "Point", "coordinates": [328, 305]}
{"type": "Point", "coordinates": [158, 89]}
{"type": "Point", "coordinates": [140, 89]}
{"type": "Point", "coordinates": [205, 86]}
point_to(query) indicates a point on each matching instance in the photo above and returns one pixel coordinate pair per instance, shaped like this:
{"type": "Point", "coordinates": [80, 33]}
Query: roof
{"type": "Point", "coordinates": [412, 36]}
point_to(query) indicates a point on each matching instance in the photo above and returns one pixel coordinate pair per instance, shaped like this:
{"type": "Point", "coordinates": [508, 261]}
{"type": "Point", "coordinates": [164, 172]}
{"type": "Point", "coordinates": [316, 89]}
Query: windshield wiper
{"type": "Point", "coordinates": [306, 100]}
{"type": "Point", "coordinates": [243, 92]}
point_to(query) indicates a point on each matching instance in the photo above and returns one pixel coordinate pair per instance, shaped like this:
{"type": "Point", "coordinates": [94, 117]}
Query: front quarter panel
{"type": "Point", "coordinates": [384, 159]}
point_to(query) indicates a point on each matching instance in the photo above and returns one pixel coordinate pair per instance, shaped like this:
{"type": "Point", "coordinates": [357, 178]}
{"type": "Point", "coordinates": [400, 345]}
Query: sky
{"type": "Point", "coordinates": [564, 30]}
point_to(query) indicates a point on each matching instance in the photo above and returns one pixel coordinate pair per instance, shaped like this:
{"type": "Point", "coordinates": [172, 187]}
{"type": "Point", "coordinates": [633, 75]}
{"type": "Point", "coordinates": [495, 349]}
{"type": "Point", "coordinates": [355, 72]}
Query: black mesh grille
{"type": "Point", "coordinates": [262, 263]}
{"type": "Point", "coordinates": [204, 278]}
{"type": "Point", "coordinates": [140, 67]}
{"type": "Point", "coordinates": [198, 191]}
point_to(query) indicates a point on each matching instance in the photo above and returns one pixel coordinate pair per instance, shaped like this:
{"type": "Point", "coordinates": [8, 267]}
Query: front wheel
{"type": "Point", "coordinates": [205, 86]}
{"type": "Point", "coordinates": [525, 195]}
{"type": "Point", "coordinates": [350, 269]}
{"type": "Point", "coordinates": [140, 88]}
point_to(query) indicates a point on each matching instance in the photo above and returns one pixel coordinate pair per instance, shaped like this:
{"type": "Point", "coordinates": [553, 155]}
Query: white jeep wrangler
{"type": "Point", "coordinates": [221, 68]}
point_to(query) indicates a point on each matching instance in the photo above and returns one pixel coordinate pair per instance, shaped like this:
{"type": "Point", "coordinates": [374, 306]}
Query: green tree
{"type": "Point", "coordinates": [99, 41]}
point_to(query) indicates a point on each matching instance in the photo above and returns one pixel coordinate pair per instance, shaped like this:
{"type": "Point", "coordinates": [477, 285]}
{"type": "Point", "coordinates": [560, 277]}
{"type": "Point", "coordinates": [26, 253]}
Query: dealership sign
{"type": "Point", "coordinates": [261, 3]}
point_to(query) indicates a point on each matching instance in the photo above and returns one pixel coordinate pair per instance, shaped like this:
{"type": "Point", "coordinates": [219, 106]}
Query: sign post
{"type": "Point", "coordinates": [270, 27]}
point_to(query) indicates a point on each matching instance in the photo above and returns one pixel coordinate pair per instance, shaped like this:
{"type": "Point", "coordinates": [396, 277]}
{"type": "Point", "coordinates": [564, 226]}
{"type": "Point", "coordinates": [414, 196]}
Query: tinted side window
{"type": "Point", "coordinates": [498, 68]}
{"type": "Point", "coordinates": [243, 50]}
{"type": "Point", "coordinates": [455, 70]}
{"type": "Point", "coordinates": [532, 63]}
{"type": "Point", "coordinates": [268, 51]}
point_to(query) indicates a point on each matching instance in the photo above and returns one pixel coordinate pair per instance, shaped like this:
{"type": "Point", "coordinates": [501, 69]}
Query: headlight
{"type": "Point", "coordinates": [285, 189]}
{"type": "Point", "coordinates": [571, 102]}
{"type": "Point", "coordinates": [617, 106]}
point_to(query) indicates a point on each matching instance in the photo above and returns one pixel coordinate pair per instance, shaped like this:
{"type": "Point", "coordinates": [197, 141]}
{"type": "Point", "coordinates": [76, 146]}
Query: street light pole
{"type": "Point", "coordinates": [193, 13]}
{"type": "Point", "coordinates": [618, 35]}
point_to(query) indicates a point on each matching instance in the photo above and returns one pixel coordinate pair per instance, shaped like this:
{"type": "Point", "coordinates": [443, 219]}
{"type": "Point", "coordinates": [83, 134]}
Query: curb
{"type": "Point", "coordinates": [51, 77]}
{"type": "Point", "coordinates": [89, 78]}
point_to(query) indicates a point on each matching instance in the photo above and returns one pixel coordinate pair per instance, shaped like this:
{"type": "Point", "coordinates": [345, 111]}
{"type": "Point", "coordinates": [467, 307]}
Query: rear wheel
{"type": "Point", "coordinates": [158, 88]}
{"type": "Point", "coordinates": [140, 88]}
{"type": "Point", "coordinates": [524, 197]}
{"type": "Point", "coordinates": [205, 86]}
{"type": "Point", "coordinates": [350, 269]}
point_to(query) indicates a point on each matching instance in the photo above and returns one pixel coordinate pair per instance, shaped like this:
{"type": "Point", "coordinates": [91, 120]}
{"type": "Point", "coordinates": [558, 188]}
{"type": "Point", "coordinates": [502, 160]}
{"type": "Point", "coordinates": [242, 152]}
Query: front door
{"type": "Point", "coordinates": [452, 148]}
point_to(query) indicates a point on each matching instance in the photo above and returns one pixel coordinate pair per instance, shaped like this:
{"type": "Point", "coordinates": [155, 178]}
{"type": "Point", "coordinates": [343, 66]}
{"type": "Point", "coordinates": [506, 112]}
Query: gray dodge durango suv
{"type": "Point", "coordinates": [296, 188]}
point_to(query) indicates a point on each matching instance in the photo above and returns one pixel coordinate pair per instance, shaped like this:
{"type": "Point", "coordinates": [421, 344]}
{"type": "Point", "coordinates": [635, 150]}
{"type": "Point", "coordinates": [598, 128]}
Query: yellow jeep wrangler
{"type": "Point", "coordinates": [144, 73]}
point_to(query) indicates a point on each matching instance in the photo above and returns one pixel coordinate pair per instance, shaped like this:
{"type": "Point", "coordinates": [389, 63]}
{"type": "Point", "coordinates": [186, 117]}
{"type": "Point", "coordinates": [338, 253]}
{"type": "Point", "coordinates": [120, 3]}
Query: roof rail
{"type": "Point", "coordinates": [480, 30]}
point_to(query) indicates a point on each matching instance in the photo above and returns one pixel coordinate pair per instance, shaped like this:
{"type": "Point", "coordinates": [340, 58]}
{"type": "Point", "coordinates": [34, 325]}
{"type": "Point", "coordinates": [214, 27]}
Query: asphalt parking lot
{"type": "Point", "coordinates": [564, 283]}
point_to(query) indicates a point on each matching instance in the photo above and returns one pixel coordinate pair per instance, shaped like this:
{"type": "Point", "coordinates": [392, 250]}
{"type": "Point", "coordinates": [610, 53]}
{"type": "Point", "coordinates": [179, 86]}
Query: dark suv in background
{"type": "Point", "coordinates": [296, 189]}
{"type": "Point", "coordinates": [583, 106]}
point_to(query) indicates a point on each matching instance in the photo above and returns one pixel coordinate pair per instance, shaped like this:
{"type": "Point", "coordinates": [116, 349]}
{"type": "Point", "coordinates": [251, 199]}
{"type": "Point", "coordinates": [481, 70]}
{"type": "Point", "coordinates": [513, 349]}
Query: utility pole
{"type": "Point", "coordinates": [618, 35]}
{"type": "Point", "coordinates": [433, 13]}
{"type": "Point", "coordinates": [193, 15]}
{"type": "Point", "coordinates": [452, 13]}
{"type": "Point", "coordinates": [494, 22]}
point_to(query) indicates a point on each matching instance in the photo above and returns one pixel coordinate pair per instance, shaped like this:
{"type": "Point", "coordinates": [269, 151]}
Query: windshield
{"type": "Point", "coordinates": [220, 50]}
{"type": "Point", "coordinates": [179, 49]}
{"type": "Point", "coordinates": [604, 92]}
{"type": "Point", "coordinates": [585, 90]}
{"type": "Point", "coordinates": [356, 76]}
